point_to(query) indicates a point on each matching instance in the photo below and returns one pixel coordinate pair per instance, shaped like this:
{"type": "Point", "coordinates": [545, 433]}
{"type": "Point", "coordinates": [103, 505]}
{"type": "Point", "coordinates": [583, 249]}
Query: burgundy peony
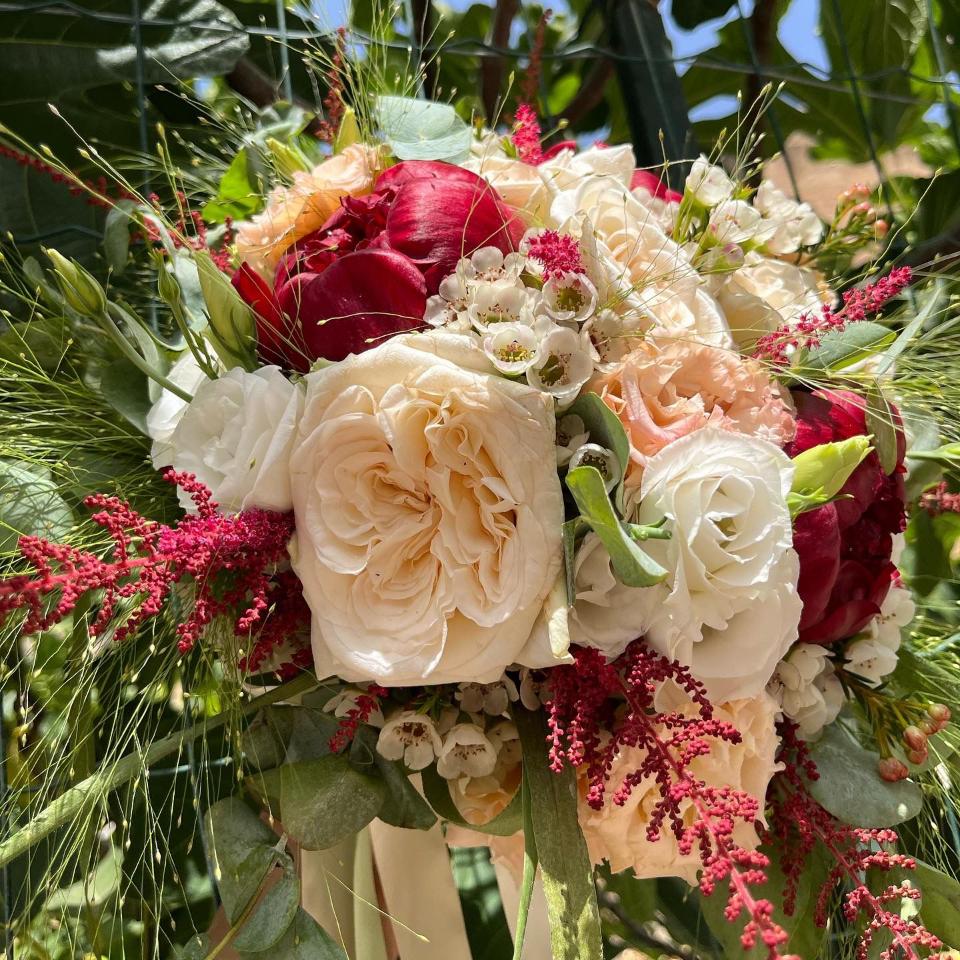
{"type": "Point", "coordinates": [366, 274]}
{"type": "Point", "coordinates": [654, 186]}
{"type": "Point", "coordinates": [845, 546]}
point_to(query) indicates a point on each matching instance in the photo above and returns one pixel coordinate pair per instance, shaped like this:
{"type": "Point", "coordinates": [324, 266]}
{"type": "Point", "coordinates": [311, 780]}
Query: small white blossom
{"type": "Point", "coordinates": [571, 435]}
{"type": "Point", "coordinates": [500, 301]}
{"type": "Point", "coordinates": [708, 184]}
{"type": "Point", "coordinates": [466, 752]}
{"type": "Point", "coordinates": [341, 703]}
{"type": "Point", "coordinates": [807, 688]}
{"type": "Point", "coordinates": [490, 698]}
{"type": "Point", "coordinates": [506, 741]}
{"type": "Point", "coordinates": [593, 455]}
{"type": "Point", "coordinates": [410, 737]}
{"type": "Point", "coordinates": [490, 263]}
{"type": "Point", "coordinates": [735, 221]}
{"type": "Point", "coordinates": [513, 348]}
{"type": "Point", "coordinates": [532, 690]}
{"type": "Point", "coordinates": [872, 654]}
{"type": "Point", "coordinates": [570, 297]}
{"type": "Point", "coordinates": [565, 366]}
{"type": "Point", "coordinates": [613, 336]}
{"type": "Point", "coordinates": [795, 224]}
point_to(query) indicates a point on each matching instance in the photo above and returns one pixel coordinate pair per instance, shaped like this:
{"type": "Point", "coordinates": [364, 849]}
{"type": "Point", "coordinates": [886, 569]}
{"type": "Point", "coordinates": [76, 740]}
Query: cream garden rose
{"type": "Point", "coordinates": [428, 513]}
{"type": "Point", "coordinates": [236, 436]}
{"type": "Point", "coordinates": [619, 834]}
{"type": "Point", "coordinates": [729, 608]}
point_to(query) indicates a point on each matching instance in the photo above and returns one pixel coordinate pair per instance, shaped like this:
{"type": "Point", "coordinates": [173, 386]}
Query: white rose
{"type": "Point", "coordinates": [765, 294]}
{"type": "Point", "coordinates": [872, 654]}
{"type": "Point", "coordinates": [428, 512]}
{"type": "Point", "coordinates": [729, 609]}
{"type": "Point", "coordinates": [618, 834]}
{"type": "Point", "coordinates": [168, 408]}
{"type": "Point", "coordinates": [708, 184]}
{"type": "Point", "coordinates": [636, 268]}
{"type": "Point", "coordinates": [236, 436]}
{"type": "Point", "coordinates": [807, 688]}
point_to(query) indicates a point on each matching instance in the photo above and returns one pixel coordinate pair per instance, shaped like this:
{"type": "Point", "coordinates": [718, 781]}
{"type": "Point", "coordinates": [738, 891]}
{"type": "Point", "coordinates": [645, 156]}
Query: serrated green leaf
{"type": "Point", "coordinates": [322, 802]}
{"type": "Point", "coordinates": [850, 788]}
{"type": "Point", "coordinates": [632, 565]}
{"type": "Point", "coordinates": [423, 129]}
{"type": "Point", "coordinates": [565, 865]}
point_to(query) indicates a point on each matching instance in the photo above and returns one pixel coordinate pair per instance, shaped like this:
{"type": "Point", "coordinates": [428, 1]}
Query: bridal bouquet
{"type": "Point", "coordinates": [522, 490]}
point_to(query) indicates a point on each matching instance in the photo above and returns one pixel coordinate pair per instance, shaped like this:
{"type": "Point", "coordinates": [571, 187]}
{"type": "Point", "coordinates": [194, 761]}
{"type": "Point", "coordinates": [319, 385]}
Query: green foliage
{"type": "Point", "coordinates": [423, 130]}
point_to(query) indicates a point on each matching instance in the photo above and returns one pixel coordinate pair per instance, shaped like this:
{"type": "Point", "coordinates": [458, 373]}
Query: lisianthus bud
{"type": "Point", "coordinates": [824, 469]}
{"type": "Point", "coordinates": [915, 738]}
{"type": "Point", "coordinates": [891, 769]}
{"type": "Point", "coordinates": [81, 291]}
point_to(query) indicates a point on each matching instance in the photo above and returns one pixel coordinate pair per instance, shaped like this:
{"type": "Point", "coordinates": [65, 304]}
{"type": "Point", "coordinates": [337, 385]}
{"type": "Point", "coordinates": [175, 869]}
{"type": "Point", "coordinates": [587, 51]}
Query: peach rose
{"type": "Point", "coordinates": [298, 210]}
{"type": "Point", "coordinates": [663, 391]}
{"type": "Point", "coordinates": [619, 834]}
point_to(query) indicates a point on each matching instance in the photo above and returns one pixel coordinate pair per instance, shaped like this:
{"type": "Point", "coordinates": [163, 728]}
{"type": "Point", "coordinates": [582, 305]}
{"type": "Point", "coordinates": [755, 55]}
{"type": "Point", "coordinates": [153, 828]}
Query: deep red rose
{"type": "Point", "coordinates": [366, 274]}
{"type": "Point", "coordinates": [845, 546]}
{"type": "Point", "coordinates": [654, 186]}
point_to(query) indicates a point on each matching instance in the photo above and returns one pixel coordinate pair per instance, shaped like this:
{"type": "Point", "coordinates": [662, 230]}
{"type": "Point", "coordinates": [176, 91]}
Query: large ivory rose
{"type": "Point", "coordinates": [619, 834]}
{"type": "Point", "coordinates": [637, 269]}
{"type": "Point", "coordinates": [729, 608]}
{"type": "Point", "coordinates": [428, 513]}
{"type": "Point", "coordinates": [294, 212]}
{"type": "Point", "coordinates": [765, 294]}
{"type": "Point", "coordinates": [529, 189]}
{"type": "Point", "coordinates": [236, 436]}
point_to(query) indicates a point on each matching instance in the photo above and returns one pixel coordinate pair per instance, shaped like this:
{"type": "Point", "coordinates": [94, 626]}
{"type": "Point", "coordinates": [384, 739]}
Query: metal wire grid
{"type": "Point", "coordinates": [805, 74]}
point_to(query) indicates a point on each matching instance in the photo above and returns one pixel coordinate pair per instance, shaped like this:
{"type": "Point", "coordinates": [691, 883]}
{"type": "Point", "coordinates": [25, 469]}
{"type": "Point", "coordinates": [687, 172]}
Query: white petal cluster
{"type": "Point", "coordinates": [707, 183]}
{"type": "Point", "coordinates": [794, 224]}
{"type": "Point", "coordinates": [807, 688]}
{"type": "Point", "coordinates": [872, 654]}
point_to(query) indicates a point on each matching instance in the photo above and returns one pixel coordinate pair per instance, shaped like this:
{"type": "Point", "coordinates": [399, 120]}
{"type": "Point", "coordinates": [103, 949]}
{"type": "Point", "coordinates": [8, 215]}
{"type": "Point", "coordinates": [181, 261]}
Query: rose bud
{"type": "Point", "coordinates": [891, 769]}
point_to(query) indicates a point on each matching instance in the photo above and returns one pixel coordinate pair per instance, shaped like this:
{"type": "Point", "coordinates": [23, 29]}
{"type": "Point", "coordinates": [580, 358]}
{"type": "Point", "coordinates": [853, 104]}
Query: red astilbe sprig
{"type": "Point", "coordinates": [366, 704]}
{"type": "Point", "coordinates": [938, 499]}
{"type": "Point", "coordinates": [799, 824]}
{"type": "Point", "coordinates": [229, 557]}
{"type": "Point", "coordinates": [809, 330]}
{"type": "Point", "coordinates": [531, 80]}
{"type": "Point", "coordinates": [526, 135]}
{"type": "Point", "coordinates": [597, 708]}
{"type": "Point", "coordinates": [333, 102]}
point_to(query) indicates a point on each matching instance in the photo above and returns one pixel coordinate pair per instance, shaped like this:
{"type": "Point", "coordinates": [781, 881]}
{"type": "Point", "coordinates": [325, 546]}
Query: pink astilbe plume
{"type": "Point", "coordinates": [558, 252]}
{"type": "Point", "coordinates": [809, 331]}
{"type": "Point", "coordinates": [596, 708]}
{"type": "Point", "coordinates": [364, 707]}
{"type": "Point", "coordinates": [799, 824]}
{"type": "Point", "coordinates": [229, 557]}
{"type": "Point", "coordinates": [526, 134]}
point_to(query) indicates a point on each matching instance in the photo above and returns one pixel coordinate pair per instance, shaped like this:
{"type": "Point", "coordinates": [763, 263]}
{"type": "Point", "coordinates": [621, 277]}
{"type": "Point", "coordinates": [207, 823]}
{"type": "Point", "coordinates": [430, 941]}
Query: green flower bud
{"type": "Point", "coordinates": [80, 290]}
{"type": "Point", "coordinates": [288, 160]}
{"type": "Point", "coordinates": [348, 132]}
{"type": "Point", "coordinates": [232, 327]}
{"type": "Point", "coordinates": [823, 470]}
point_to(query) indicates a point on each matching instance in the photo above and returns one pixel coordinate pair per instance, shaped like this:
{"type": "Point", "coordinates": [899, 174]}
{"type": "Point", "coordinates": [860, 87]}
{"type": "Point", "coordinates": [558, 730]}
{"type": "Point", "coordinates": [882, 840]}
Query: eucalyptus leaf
{"type": "Point", "coordinates": [603, 425]}
{"type": "Point", "coordinates": [304, 940]}
{"type": "Point", "coordinates": [842, 348]}
{"type": "Point", "coordinates": [632, 565]}
{"type": "Point", "coordinates": [934, 300]}
{"type": "Point", "coordinates": [850, 788]}
{"type": "Point", "coordinates": [322, 802]}
{"type": "Point", "coordinates": [565, 865]}
{"type": "Point", "coordinates": [881, 422]}
{"type": "Point", "coordinates": [272, 916]}
{"type": "Point", "coordinates": [423, 129]}
{"type": "Point", "coordinates": [30, 505]}
{"type": "Point", "coordinates": [940, 906]}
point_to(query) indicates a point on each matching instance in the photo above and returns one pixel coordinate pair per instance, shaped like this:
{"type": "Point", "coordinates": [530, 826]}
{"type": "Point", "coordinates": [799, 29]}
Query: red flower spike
{"type": "Point", "coordinates": [558, 252]}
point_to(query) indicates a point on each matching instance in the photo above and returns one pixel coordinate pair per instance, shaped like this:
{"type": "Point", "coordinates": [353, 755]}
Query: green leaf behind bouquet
{"type": "Point", "coordinates": [423, 130]}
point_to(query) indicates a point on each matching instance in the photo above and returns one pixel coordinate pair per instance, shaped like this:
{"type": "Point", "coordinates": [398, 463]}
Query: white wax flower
{"type": "Point", "coordinates": [571, 435]}
{"type": "Point", "coordinates": [411, 737]}
{"type": "Point", "coordinates": [872, 654]}
{"type": "Point", "coordinates": [807, 688]}
{"type": "Point", "coordinates": [729, 608]}
{"type": "Point", "coordinates": [707, 183]}
{"type": "Point", "coordinates": [796, 224]}
{"type": "Point", "coordinates": [736, 221]}
{"type": "Point", "coordinates": [564, 366]}
{"type": "Point", "coordinates": [342, 702]}
{"type": "Point", "coordinates": [236, 436]}
{"type": "Point", "coordinates": [466, 752]}
{"type": "Point", "coordinates": [490, 698]}
{"type": "Point", "coordinates": [428, 513]}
